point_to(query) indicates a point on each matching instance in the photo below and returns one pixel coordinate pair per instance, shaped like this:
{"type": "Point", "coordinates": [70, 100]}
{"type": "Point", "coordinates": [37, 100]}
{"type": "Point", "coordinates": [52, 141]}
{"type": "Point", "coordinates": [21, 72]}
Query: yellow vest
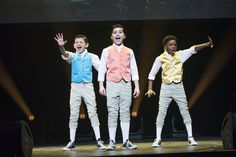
{"type": "Point", "coordinates": [172, 69]}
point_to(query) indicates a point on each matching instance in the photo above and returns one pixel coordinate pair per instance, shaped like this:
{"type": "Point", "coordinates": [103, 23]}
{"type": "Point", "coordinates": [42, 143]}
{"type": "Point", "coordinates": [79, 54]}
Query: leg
{"type": "Point", "coordinates": [164, 101]}
{"type": "Point", "coordinates": [75, 101]}
{"type": "Point", "coordinates": [90, 101]}
{"type": "Point", "coordinates": [112, 107]}
{"type": "Point", "coordinates": [125, 103]}
{"type": "Point", "coordinates": [181, 100]}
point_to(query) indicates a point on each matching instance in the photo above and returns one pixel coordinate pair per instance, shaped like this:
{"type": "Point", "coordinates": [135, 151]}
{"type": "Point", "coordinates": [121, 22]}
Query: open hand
{"type": "Point", "coordinates": [59, 39]}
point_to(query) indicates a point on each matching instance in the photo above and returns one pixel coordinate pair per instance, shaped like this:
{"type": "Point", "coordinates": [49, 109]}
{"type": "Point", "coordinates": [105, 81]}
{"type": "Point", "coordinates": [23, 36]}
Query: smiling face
{"type": "Point", "coordinates": [117, 35]}
{"type": "Point", "coordinates": [80, 44]}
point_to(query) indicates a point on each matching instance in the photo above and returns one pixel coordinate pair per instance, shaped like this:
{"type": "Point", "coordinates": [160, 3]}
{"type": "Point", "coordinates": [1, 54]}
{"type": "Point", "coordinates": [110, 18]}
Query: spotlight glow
{"type": "Point", "coordinates": [8, 84]}
{"type": "Point", "coordinates": [222, 55]}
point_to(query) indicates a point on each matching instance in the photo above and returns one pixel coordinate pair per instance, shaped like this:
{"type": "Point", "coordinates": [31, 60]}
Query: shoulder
{"type": "Point", "coordinates": [106, 49]}
{"type": "Point", "coordinates": [129, 50]}
{"type": "Point", "coordinates": [92, 55]}
{"type": "Point", "coordinates": [71, 54]}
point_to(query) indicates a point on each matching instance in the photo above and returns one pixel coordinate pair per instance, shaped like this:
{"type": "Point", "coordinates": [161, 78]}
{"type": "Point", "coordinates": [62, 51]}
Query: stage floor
{"type": "Point", "coordinates": [210, 147]}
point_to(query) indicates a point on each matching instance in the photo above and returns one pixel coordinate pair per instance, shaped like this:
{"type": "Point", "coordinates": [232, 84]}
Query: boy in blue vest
{"type": "Point", "coordinates": [171, 61]}
{"type": "Point", "coordinates": [81, 86]}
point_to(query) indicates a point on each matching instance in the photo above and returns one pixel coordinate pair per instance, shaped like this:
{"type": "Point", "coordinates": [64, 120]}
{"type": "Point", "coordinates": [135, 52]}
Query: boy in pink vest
{"type": "Point", "coordinates": [171, 61]}
{"type": "Point", "coordinates": [119, 65]}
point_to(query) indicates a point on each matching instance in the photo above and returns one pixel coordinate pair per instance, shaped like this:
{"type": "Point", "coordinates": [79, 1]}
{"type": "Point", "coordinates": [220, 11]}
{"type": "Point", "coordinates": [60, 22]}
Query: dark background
{"type": "Point", "coordinates": [31, 56]}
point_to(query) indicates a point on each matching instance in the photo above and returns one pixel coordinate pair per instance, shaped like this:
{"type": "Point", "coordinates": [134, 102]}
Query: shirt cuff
{"type": "Point", "coordinates": [151, 77]}
{"type": "Point", "coordinates": [135, 77]}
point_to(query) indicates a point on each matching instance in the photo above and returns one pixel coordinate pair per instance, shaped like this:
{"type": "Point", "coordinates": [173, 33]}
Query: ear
{"type": "Point", "coordinates": [124, 36]}
{"type": "Point", "coordinates": [87, 45]}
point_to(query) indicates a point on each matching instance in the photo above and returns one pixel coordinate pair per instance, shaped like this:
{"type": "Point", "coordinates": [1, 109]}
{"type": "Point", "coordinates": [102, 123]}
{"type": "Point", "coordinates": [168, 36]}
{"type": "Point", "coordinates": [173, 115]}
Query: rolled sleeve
{"type": "Point", "coordinates": [102, 68]}
{"type": "Point", "coordinates": [95, 61]}
{"type": "Point", "coordinates": [69, 58]}
{"type": "Point", "coordinates": [133, 67]}
{"type": "Point", "coordinates": [155, 68]}
{"type": "Point", "coordinates": [185, 54]}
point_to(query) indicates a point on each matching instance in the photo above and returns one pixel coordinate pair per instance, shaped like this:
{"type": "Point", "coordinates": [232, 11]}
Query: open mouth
{"type": "Point", "coordinates": [117, 39]}
{"type": "Point", "coordinates": [79, 48]}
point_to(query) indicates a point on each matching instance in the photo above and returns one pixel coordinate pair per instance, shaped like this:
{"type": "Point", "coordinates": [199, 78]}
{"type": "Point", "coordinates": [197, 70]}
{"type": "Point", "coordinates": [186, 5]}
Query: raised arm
{"type": "Point", "coordinates": [204, 45]}
{"type": "Point", "coordinates": [61, 43]}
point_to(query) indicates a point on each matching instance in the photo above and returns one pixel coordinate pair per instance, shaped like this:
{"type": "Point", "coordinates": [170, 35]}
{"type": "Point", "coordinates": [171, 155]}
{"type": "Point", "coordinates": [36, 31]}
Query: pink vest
{"type": "Point", "coordinates": [118, 64]}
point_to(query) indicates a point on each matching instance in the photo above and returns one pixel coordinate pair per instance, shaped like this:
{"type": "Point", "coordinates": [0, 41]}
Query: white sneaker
{"type": "Point", "coordinates": [70, 146]}
{"type": "Point", "coordinates": [129, 145]}
{"type": "Point", "coordinates": [100, 145]}
{"type": "Point", "coordinates": [156, 143]}
{"type": "Point", "coordinates": [192, 142]}
{"type": "Point", "coordinates": [111, 146]}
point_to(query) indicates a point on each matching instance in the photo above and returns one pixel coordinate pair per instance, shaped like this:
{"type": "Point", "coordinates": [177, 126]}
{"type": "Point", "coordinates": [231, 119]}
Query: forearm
{"type": "Point", "coordinates": [136, 84]}
{"type": "Point", "coordinates": [150, 83]}
{"type": "Point", "coordinates": [63, 51]}
{"type": "Point", "coordinates": [202, 46]}
{"type": "Point", "coordinates": [101, 84]}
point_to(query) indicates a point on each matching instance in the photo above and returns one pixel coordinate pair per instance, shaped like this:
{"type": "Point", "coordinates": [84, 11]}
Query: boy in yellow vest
{"type": "Point", "coordinates": [119, 65]}
{"type": "Point", "coordinates": [171, 62]}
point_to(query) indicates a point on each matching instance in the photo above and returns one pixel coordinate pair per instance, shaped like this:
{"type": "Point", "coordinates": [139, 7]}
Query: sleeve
{"type": "Point", "coordinates": [69, 58]}
{"type": "Point", "coordinates": [185, 54]}
{"type": "Point", "coordinates": [133, 67]}
{"type": "Point", "coordinates": [103, 65]}
{"type": "Point", "coordinates": [155, 68]}
{"type": "Point", "coordinates": [95, 61]}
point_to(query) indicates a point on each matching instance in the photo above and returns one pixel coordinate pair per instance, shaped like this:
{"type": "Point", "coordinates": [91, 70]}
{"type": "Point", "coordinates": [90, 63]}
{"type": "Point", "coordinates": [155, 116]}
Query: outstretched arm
{"type": "Point", "coordinates": [61, 43]}
{"type": "Point", "coordinates": [204, 45]}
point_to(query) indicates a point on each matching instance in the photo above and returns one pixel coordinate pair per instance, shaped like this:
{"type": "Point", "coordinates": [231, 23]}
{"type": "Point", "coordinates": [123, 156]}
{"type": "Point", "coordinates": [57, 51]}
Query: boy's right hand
{"type": "Point", "coordinates": [59, 39]}
{"type": "Point", "coordinates": [150, 92]}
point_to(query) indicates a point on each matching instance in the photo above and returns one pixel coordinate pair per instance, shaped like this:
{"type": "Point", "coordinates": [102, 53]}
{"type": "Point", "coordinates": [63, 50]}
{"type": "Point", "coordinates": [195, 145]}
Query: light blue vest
{"type": "Point", "coordinates": [81, 69]}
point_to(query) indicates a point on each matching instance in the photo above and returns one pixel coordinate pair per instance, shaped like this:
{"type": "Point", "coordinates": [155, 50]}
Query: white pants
{"type": "Point", "coordinates": [78, 92]}
{"type": "Point", "coordinates": [118, 101]}
{"type": "Point", "coordinates": [167, 94]}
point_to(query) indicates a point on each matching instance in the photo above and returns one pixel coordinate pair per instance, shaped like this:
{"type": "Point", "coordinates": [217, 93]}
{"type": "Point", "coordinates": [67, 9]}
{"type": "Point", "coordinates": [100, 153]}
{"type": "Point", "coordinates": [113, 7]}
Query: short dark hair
{"type": "Point", "coordinates": [168, 38]}
{"type": "Point", "coordinates": [82, 36]}
{"type": "Point", "coordinates": [116, 26]}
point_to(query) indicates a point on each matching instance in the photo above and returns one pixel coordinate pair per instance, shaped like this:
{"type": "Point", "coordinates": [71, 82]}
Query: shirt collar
{"type": "Point", "coordinates": [83, 53]}
{"type": "Point", "coordinates": [118, 47]}
{"type": "Point", "coordinates": [168, 55]}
